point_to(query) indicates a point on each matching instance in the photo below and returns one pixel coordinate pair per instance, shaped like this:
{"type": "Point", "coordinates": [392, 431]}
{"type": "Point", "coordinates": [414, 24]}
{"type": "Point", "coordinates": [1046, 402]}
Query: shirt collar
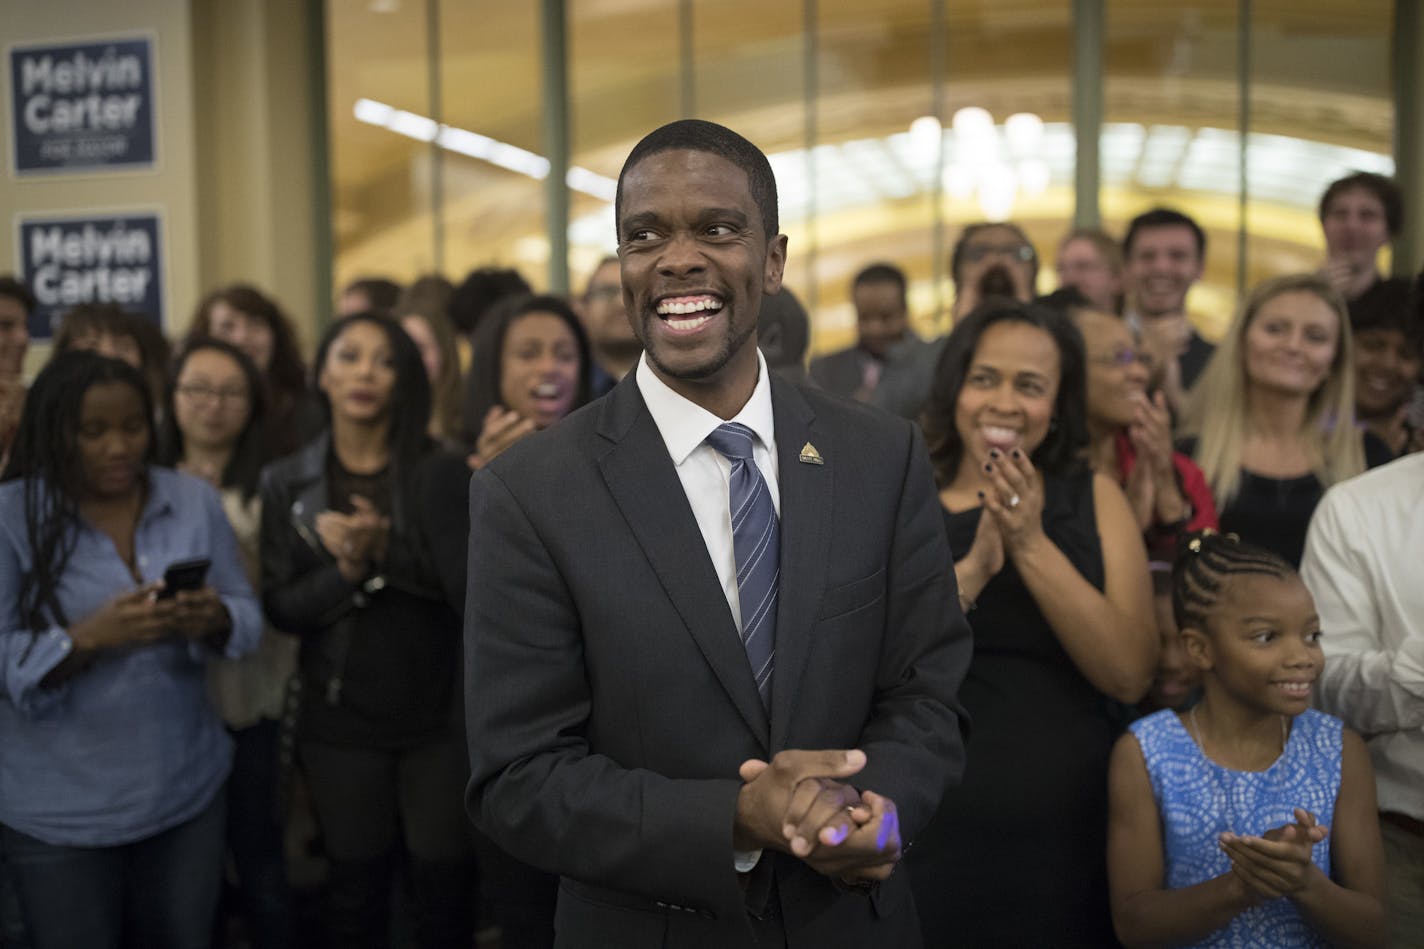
{"type": "Point", "coordinates": [684, 424]}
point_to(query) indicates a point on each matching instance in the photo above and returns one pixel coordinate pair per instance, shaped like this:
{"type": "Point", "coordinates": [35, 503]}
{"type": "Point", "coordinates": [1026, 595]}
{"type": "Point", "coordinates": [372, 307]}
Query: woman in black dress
{"type": "Point", "coordinates": [1053, 576]}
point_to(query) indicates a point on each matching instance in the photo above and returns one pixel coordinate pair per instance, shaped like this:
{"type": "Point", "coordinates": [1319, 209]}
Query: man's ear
{"type": "Point", "coordinates": [1198, 646]}
{"type": "Point", "coordinates": [775, 264]}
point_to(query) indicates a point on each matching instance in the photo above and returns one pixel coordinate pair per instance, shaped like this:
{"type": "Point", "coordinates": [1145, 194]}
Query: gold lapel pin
{"type": "Point", "coordinates": [810, 456]}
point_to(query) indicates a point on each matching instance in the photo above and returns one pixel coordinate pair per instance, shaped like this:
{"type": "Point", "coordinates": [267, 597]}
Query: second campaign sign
{"type": "Point", "coordinates": [82, 106]}
{"type": "Point", "coordinates": [93, 258]}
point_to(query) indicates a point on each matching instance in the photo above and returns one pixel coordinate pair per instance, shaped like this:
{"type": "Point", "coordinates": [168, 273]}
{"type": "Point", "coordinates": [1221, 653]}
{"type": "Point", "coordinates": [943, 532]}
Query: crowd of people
{"type": "Point", "coordinates": [1194, 710]}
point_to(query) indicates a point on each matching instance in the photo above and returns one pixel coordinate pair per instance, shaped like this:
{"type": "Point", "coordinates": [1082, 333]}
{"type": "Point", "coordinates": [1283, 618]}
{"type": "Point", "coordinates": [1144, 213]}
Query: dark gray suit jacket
{"type": "Point", "coordinates": [609, 699]}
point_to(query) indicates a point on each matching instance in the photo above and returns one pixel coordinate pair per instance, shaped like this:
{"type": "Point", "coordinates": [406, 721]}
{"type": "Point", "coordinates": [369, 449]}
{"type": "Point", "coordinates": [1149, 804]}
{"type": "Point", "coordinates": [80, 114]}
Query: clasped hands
{"type": "Point", "coordinates": [357, 540]}
{"type": "Point", "coordinates": [1277, 863]}
{"type": "Point", "coordinates": [799, 804]}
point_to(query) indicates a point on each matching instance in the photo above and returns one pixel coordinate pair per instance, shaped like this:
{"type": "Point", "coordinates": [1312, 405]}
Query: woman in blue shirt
{"type": "Point", "coordinates": [113, 763]}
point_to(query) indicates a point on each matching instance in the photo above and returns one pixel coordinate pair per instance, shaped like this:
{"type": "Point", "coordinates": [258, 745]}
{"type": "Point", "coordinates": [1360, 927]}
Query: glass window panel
{"type": "Point", "coordinates": [1174, 69]}
{"type": "Point", "coordinates": [1321, 108]}
{"type": "Point", "coordinates": [379, 107]}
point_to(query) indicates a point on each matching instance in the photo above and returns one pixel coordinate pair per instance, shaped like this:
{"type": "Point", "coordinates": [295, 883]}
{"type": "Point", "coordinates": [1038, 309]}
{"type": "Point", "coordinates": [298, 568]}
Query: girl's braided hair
{"type": "Point", "coordinates": [1206, 563]}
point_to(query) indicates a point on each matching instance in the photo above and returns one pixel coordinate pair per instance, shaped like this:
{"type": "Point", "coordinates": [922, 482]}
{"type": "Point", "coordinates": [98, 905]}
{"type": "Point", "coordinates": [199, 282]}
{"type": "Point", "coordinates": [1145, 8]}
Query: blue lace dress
{"type": "Point", "coordinates": [1198, 799]}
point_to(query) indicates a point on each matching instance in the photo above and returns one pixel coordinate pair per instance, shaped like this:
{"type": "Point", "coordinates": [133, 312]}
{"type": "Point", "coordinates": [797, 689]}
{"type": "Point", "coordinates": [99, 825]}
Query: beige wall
{"type": "Point", "coordinates": [234, 176]}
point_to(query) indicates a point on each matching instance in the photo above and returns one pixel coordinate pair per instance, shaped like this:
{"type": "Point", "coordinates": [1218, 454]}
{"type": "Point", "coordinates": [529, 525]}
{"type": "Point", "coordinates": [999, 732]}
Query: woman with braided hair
{"type": "Point", "coordinates": [1248, 820]}
{"type": "Point", "coordinates": [111, 781]}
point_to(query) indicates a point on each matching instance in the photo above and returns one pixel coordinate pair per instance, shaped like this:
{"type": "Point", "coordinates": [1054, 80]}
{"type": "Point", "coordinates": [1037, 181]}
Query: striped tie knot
{"type": "Point", "coordinates": [734, 440]}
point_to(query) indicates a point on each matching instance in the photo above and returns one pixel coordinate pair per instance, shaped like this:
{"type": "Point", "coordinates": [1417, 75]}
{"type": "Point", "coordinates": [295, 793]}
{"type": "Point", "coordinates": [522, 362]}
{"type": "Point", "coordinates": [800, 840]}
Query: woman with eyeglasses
{"type": "Point", "coordinates": [213, 428]}
{"type": "Point", "coordinates": [1130, 432]}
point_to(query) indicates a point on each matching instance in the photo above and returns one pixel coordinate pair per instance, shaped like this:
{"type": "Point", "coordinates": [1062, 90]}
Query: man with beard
{"type": "Point", "coordinates": [615, 345]}
{"type": "Point", "coordinates": [713, 641]}
{"type": "Point", "coordinates": [1164, 253]}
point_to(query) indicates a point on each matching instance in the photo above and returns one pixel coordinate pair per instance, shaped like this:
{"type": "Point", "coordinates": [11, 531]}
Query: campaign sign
{"type": "Point", "coordinates": [81, 106]}
{"type": "Point", "coordinates": [91, 259]}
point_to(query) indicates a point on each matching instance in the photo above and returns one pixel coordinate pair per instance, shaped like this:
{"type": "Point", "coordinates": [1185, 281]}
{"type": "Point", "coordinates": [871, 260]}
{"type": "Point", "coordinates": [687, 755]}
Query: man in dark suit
{"type": "Point", "coordinates": [889, 365]}
{"type": "Point", "coordinates": [713, 638]}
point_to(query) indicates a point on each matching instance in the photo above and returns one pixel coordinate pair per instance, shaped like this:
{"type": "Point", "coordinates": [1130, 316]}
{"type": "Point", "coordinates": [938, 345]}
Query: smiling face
{"type": "Point", "coordinates": [1263, 643]}
{"type": "Point", "coordinates": [211, 403]}
{"type": "Point", "coordinates": [1161, 267]}
{"type": "Point", "coordinates": [359, 374]}
{"type": "Point", "coordinates": [1291, 343]}
{"type": "Point", "coordinates": [1355, 227]}
{"type": "Point", "coordinates": [249, 333]}
{"type": "Point", "coordinates": [695, 265]}
{"type": "Point", "coordinates": [111, 442]}
{"type": "Point", "coordinates": [1118, 370]}
{"type": "Point", "coordinates": [539, 368]}
{"type": "Point", "coordinates": [1009, 392]}
{"type": "Point", "coordinates": [1387, 367]}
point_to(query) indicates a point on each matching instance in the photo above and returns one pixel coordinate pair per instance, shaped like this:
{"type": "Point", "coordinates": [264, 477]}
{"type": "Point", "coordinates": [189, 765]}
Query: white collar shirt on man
{"type": "Point", "coordinates": [705, 473]}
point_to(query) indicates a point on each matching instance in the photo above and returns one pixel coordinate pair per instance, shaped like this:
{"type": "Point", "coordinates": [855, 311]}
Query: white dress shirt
{"type": "Point", "coordinates": [706, 477]}
{"type": "Point", "coordinates": [1364, 564]}
{"type": "Point", "coordinates": [704, 471]}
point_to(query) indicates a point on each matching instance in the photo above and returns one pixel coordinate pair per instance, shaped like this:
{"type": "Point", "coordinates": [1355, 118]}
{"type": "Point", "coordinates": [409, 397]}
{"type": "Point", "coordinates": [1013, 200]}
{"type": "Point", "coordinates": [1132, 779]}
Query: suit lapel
{"type": "Point", "coordinates": [806, 491]}
{"type": "Point", "coordinates": [645, 485]}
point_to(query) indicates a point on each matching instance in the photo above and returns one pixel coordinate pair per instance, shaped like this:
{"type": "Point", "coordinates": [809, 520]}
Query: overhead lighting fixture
{"type": "Point", "coordinates": [473, 144]}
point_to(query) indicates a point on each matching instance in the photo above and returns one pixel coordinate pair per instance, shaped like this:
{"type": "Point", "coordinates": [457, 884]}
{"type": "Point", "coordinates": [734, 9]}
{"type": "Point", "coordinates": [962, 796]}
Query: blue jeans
{"type": "Point", "coordinates": [160, 892]}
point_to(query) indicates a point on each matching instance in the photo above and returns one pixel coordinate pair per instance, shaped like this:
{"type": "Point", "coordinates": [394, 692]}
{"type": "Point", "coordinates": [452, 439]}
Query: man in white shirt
{"type": "Point", "coordinates": [713, 640]}
{"type": "Point", "coordinates": [1362, 564]}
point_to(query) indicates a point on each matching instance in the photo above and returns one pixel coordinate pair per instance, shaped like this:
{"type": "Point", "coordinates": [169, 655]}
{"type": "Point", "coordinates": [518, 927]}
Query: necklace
{"type": "Point", "coordinates": [1196, 731]}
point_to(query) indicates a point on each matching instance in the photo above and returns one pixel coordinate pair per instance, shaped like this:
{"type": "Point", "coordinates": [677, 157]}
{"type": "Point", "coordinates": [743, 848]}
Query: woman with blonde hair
{"type": "Point", "coordinates": [1271, 423]}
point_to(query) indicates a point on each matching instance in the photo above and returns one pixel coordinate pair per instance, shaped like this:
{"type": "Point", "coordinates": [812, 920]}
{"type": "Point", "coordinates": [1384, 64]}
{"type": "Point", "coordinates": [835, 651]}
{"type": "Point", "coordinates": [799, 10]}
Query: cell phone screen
{"type": "Point", "coordinates": [184, 575]}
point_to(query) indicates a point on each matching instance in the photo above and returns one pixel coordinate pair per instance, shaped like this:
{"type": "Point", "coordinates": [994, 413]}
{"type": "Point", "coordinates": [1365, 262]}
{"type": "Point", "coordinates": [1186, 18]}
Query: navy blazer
{"type": "Point", "coordinates": [609, 701]}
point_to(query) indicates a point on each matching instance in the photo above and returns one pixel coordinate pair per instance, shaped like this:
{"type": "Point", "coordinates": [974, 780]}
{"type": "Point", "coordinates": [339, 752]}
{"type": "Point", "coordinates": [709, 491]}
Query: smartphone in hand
{"type": "Point", "coordinates": [184, 575]}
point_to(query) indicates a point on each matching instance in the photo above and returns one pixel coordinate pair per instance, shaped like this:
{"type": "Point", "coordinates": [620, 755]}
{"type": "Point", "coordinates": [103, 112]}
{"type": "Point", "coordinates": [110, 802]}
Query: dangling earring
{"type": "Point", "coordinates": [1052, 425]}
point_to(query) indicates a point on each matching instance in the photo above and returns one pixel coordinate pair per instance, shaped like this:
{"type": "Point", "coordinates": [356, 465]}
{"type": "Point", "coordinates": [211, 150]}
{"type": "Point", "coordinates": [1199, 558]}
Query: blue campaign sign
{"type": "Point", "coordinates": [81, 106]}
{"type": "Point", "coordinates": [91, 259]}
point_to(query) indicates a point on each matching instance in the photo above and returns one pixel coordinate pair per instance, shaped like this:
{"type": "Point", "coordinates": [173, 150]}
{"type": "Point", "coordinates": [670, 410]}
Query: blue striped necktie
{"type": "Point", "coordinates": [756, 542]}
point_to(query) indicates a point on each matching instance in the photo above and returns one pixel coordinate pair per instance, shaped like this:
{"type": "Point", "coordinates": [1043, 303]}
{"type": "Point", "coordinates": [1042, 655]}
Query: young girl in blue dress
{"type": "Point", "coordinates": [1248, 820]}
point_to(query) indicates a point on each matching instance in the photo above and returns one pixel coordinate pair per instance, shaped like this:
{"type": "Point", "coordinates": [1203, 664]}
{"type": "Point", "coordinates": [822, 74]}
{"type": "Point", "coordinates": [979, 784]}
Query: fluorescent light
{"type": "Point", "coordinates": [473, 144]}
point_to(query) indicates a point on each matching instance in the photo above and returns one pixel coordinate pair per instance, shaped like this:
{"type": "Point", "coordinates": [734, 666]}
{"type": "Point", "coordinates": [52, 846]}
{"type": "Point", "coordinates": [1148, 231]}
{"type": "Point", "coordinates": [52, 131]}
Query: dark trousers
{"type": "Point", "coordinates": [254, 836]}
{"type": "Point", "coordinates": [366, 800]}
{"type": "Point", "coordinates": [157, 893]}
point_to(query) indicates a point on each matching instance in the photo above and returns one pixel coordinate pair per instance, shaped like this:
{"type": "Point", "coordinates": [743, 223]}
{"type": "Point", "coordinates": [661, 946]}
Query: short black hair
{"type": "Point", "coordinates": [478, 293]}
{"type": "Point", "coordinates": [882, 273]}
{"type": "Point", "coordinates": [697, 135]}
{"type": "Point", "coordinates": [1384, 188]}
{"type": "Point", "coordinates": [1062, 449]}
{"type": "Point", "coordinates": [381, 293]}
{"type": "Point", "coordinates": [16, 289]}
{"type": "Point", "coordinates": [1163, 217]}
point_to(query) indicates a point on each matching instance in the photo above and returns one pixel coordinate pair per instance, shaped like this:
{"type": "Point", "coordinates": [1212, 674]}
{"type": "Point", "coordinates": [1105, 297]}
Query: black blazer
{"type": "Point", "coordinates": [609, 701]}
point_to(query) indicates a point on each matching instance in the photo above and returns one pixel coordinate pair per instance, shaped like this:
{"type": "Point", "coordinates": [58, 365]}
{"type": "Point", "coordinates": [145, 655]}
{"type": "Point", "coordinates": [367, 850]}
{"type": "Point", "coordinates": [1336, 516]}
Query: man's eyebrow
{"type": "Point", "coordinates": [639, 219]}
{"type": "Point", "coordinates": [735, 215]}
